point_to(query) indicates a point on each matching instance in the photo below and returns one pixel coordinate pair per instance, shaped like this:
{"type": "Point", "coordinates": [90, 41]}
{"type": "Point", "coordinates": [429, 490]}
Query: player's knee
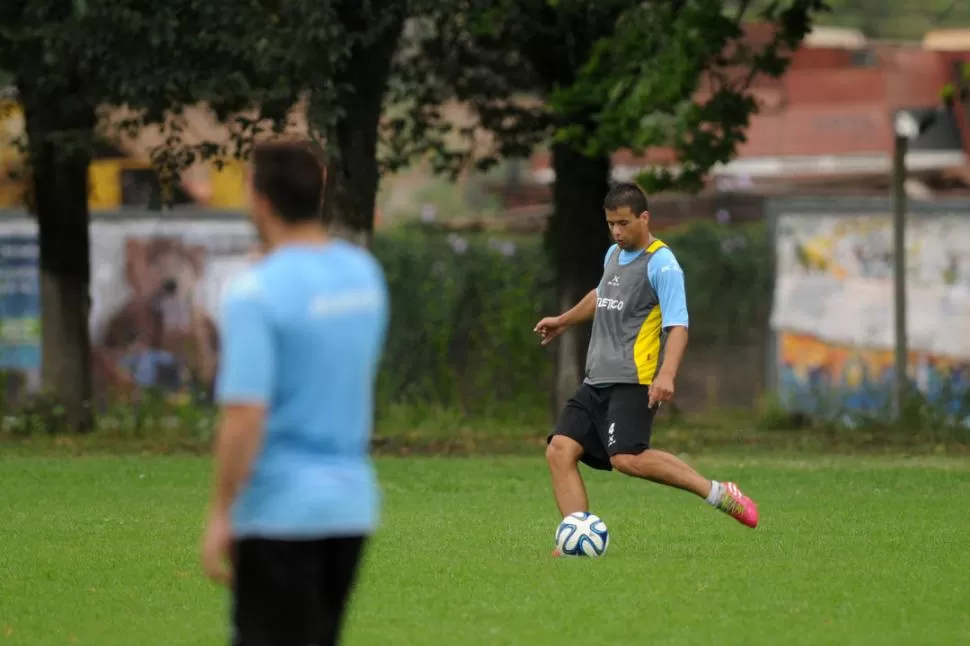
{"type": "Point", "coordinates": [625, 463]}
{"type": "Point", "coordinates": [640, 465]}
{"type": "Point", "coordinates": [563, 452]}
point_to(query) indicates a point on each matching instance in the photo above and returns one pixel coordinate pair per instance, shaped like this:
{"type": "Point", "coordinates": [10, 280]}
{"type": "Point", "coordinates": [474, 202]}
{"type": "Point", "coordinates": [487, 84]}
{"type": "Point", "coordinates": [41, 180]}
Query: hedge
{"type": "Point", "coordinates": [464, 306]}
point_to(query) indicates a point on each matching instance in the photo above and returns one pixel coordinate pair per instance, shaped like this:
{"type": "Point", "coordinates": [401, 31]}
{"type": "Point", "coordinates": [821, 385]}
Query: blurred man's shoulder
{"type": "Point", "coordinates": [248, 284]}
{"type": "Point", "coordinates": [362, 259]}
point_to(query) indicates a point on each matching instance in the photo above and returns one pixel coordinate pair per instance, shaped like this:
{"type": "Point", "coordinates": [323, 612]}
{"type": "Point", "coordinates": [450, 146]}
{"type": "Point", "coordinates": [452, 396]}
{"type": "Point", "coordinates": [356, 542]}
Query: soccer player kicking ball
{"type": "Point", "coordinates": [295, 494]}
{"type": "Point", "coordinates": [639, 313]}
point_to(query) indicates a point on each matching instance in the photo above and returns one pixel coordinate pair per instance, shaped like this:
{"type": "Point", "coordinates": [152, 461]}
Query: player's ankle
{"type": "Point", "coordinates": [716, 495]}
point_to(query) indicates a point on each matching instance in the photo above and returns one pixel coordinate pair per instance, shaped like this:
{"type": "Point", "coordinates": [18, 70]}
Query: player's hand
{"type": "Point", "coordinates": [215, 549]}
{"type": "Point", "coordinates": [661, 390]}
{"type": "Point", "coordinates": [549, 328]}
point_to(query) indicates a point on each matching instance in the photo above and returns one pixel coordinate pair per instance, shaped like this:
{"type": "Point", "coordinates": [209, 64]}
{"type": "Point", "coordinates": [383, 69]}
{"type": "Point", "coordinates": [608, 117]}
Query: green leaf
{"type": "Point", "coordinates": [609, 74]}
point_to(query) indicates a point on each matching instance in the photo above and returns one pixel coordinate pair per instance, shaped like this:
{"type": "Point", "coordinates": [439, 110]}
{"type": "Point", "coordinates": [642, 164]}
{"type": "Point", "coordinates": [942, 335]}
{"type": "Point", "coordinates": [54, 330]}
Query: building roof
{"type": "Point", "coordinates": [831, 114]}
{"type": "Point", "coordinates": [947, 40]}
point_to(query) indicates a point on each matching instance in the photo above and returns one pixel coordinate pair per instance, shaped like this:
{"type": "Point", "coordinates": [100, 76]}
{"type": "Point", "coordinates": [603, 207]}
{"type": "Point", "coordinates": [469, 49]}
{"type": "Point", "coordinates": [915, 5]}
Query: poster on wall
{"type": "Point", "coordinates": [19, 311]}
{"type": "Point", "coordinates": [155, 292]}
{"type": "Point", "coordinates": [833, 308]}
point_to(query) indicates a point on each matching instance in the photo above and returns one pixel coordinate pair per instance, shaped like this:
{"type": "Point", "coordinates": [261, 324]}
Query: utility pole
{"type": "Point", "coordinates": [908, 125]}
{"type": "Point", "coordinates": [901, 379]}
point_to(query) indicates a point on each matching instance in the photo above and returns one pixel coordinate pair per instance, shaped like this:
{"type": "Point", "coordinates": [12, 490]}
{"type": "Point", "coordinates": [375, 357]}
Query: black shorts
{"type": "Point", "coordinates": [608, 421]}
{"type": "Point", "coordinates": [292, 593]}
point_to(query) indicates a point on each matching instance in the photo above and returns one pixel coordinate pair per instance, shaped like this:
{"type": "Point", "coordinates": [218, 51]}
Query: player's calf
{"type": "Point", "coordinates": [665, 468]}
{"type": "Point", "coordinates": [562, 455]}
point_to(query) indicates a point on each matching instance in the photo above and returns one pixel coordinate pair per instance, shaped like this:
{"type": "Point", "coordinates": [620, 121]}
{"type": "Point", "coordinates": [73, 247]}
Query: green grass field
{"type": "Point", "coordinates": [102, 551]}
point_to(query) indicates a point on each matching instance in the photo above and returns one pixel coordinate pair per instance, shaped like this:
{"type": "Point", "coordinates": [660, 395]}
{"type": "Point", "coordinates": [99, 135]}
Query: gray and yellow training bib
{"type": "Point", "coordinates": [627, 342]}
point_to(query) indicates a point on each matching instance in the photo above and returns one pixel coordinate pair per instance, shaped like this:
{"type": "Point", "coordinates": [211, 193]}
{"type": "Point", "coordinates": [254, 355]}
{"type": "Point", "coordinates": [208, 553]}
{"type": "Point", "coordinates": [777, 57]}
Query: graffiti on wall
{"type": "Point", "coordinates": [834, 317]}
{"type": "Point", "coordinates": [813, 373]}
{"type": "Point", "coordinates": [19, 314]}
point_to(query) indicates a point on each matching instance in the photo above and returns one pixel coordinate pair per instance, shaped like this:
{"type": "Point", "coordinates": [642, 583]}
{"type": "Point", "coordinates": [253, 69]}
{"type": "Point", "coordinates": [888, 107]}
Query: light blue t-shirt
{"type": "Point", "coordinates": [667, 279]}
{"type": "Point", "coordinates": [303, 332]}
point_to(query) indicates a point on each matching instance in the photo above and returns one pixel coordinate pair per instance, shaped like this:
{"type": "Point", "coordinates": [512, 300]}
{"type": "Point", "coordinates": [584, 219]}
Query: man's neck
{"type": "Point", "coordinates": [309, 234]}
{"type": "Point", "coordinates": [645, 245]}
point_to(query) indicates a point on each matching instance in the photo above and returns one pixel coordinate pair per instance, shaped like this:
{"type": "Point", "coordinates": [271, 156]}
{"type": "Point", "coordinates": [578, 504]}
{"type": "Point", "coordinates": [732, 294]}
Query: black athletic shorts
{"type": "Point", "coordinates": [608, 421]}
{"type": "Point", "coordinates": [292, 593]}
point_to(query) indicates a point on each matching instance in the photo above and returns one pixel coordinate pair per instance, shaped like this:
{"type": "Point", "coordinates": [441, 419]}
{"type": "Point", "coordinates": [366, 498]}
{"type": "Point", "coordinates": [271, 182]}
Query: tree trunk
{"type": "Point", "coordinates": [60, 203]}
{"type": "Point", "coordinates": [353, 174]}
{"type": "Point", "coordinates": [578, 238]}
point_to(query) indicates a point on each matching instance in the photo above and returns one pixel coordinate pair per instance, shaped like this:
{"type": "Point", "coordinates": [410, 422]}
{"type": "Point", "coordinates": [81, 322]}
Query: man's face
{"type": "Point", "coordinates": [627, 228]}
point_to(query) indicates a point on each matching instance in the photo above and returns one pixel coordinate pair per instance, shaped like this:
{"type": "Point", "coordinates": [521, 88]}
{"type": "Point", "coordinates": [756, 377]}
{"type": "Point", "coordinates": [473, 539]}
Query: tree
{"type": "Point", "coordinates": [373, 31]}
{"type": "Point", "coordinates": [898, 18]}
{"type": "Point", "coordinates": [70, 58]}
{"type": "Point", "coordinates": [591, 77]}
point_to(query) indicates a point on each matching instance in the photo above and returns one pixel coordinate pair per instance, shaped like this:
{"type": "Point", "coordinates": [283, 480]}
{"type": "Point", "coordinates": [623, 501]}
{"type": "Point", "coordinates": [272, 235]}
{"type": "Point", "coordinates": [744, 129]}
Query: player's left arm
{"type": "Point", "coordinates": [667, 279]}
{"type": "Point", "coordinates": [244, 387]}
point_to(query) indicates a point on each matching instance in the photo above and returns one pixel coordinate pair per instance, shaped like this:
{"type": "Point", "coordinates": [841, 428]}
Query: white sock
{"type": "Point", "coordinates": [717, 492]}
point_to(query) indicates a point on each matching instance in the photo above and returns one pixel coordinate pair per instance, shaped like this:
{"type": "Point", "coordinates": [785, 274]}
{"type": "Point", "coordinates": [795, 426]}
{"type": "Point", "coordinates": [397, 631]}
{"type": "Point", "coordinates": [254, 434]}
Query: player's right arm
{"type": "Point", "coordinates": [552, 326]}
{"type": "Point", "coordinates": [244, 387]}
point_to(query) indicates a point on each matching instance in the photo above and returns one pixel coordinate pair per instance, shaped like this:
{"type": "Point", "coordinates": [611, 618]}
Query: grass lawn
{"type": "Point", "coordinates": [102, 551]}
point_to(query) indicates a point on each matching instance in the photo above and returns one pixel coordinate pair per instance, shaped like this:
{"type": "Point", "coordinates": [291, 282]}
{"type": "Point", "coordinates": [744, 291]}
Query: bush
{"type": "Point", "coordinates": [463, 311]}
{"type": "Point", "coordinates": [464, 308]}
{"type": "Point", "coordinates": [729, 274]}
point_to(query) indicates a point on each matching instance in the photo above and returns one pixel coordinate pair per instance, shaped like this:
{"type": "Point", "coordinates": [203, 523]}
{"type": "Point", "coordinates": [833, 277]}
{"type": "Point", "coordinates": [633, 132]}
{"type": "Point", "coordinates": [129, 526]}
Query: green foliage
{"type": "Point", "coordinates": [729, 275]}
{"type": "Point", "coordinates": [895, 19]}
{"type": "Point", "coordinates": [898, 18]}
{"type": "Point", "coordinates": [127, 53]}
{"type": "Point", "coordinates": [184, 424]}
{"type": "Point", "coordinates": [463, 312]}
{"type": "Point", "coordinates": [612, 73]}
{"type": "Point", "coordinates": [248, 62]}
{"type": "Point", "coordinates": [467, 51]}
{"type": "Point", "coordinates": [592, 76]}
{"type": "Point", "coordinates": [677, 75]}
{"type": "Point", "coordinates": [464, 309]}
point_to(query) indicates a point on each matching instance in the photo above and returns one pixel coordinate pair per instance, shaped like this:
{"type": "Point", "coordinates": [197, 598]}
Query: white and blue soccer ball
{"type": "Point", "coordinates": [582, 534]}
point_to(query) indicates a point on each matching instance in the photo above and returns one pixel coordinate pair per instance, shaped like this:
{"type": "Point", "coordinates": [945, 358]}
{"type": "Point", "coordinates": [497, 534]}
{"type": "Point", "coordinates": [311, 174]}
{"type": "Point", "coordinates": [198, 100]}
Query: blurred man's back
{"type": "Point", "coordinates": [326, 310]}
{"type": "Point", "coordinates": [295, 495]}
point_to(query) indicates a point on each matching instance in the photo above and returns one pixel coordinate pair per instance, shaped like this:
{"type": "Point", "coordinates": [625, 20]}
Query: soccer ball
{"type": "Point", "coordinates": [582, 534]}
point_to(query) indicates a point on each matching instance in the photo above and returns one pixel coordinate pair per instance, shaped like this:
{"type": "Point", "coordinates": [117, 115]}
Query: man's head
{"type": "Point", "coordinates": [285, 186]}
{"type": "Point", "coordinates": [627, 215]}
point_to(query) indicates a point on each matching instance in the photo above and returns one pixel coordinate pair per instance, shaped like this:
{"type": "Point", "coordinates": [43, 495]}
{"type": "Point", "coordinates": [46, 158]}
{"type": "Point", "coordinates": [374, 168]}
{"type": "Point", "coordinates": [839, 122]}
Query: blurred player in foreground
{"type": "Point", "coordinates": [295, 494]}
{"type": "Point", "coordinates": [639, 313]}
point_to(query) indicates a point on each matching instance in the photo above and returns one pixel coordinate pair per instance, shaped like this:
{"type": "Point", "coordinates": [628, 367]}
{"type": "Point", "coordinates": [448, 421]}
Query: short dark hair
{"type": "Point", "coordinates": [290, 176]}
{"type": "Point", "coordinates": [628, 194]}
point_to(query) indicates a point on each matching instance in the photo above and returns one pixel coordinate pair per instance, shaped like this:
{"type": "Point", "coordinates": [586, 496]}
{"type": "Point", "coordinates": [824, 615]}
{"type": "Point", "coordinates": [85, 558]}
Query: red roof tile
{"type": "Point", "coordinates": [852, 85]}
{"type": "Point", "coordinates": [821, 59]}
{"type": "Point", "coordinates": [914, 77]}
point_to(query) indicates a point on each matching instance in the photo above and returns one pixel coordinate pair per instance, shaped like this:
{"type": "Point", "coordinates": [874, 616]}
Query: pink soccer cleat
{"type": "Point", "coordinates": [737, 505]}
